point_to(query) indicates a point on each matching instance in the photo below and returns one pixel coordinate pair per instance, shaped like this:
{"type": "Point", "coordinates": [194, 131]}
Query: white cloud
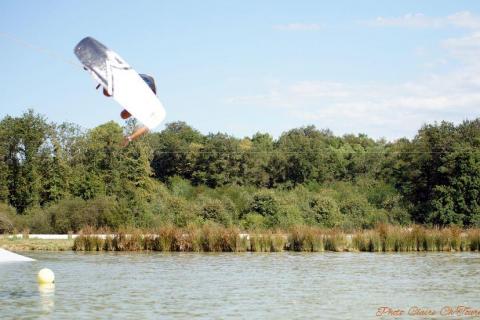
{"type": "Point", "coordinates": [466, 49]}
{"type": "Point", "coordinates": [462, 19]}
{"type": "Point", "coordinates": [297, 27]}
{"type": "Point", "coordinates": [380, 110]}
{"type": "Point", "coordinates": [436, 63]}
{"type": "Point", "coordinates": [411, 20]}
{"type": "Point", "coordinates": [450, 93]}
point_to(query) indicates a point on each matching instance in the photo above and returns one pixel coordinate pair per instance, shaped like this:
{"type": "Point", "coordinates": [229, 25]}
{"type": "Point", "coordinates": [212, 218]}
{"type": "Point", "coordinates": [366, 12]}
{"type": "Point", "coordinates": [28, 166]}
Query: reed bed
{"type": "Point", "coordinates": [386, 238]}
{"type": "Point", "coordinates": [473, 239]}
{"type": "Point", "coordinates": [266, 241]}
{"type": "Point", "coordinates": [205, 239]}
{"type": "Point", "coordinates": [215, 238]}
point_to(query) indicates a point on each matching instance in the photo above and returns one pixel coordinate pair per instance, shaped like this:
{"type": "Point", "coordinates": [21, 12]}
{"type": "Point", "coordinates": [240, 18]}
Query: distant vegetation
{"type": "Point", "coordinates": [215, 238]}
{"type": "Point", "coordinates": [59, 178]}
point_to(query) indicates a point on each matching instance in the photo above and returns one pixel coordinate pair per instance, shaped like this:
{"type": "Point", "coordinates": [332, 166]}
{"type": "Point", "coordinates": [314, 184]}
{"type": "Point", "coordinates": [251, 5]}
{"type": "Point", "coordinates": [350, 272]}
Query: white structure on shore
{"type": "Point", "coordinates": [7, 256]}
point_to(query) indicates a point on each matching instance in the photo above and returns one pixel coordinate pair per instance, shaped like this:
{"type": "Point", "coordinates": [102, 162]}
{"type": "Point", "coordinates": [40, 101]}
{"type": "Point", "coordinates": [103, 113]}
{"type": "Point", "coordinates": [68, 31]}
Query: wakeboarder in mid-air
{"type": "Point", "coordinates": [139, 131]}
{"type": "Point", "coordinates": [136, 93]}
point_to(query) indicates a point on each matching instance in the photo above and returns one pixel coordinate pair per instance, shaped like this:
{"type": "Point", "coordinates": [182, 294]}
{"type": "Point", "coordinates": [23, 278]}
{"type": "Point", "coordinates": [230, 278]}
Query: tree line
{"type": "Point", "coordinates": [60, 178]}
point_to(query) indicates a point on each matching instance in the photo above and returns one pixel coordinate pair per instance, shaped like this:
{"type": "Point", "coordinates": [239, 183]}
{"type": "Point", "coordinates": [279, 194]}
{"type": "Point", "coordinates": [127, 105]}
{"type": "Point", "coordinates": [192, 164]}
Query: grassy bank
{"type": "Point", "coordinates": [17, 244]}
{"type": "Point", "coordinates": [208, 238]}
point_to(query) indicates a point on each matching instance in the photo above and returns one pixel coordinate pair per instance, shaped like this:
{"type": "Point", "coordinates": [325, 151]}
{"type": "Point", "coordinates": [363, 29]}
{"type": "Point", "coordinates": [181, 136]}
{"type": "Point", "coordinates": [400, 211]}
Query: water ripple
{"type": "Point", "coordinates": [243, 286]}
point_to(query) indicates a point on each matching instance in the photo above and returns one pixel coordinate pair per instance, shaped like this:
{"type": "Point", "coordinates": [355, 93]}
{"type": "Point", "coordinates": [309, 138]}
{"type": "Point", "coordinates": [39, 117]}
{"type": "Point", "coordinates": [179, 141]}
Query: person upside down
{"type": "Point", "coordinates": [140, 131]}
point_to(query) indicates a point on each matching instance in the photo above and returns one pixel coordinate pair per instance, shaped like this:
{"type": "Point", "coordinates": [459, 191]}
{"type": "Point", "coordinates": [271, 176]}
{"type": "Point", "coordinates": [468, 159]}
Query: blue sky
{"type": "Point", "coordinates": [380, 68]}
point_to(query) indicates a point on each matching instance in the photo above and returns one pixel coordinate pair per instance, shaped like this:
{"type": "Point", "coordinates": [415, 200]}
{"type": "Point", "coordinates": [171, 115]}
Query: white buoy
{"type": "Point", "coordinates": [46, 276]}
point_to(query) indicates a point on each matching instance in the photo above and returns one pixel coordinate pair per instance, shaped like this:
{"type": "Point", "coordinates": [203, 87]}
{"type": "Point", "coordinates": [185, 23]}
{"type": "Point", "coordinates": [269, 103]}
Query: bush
{"type": "Point", "coordinates": [288, 216]}
{"type": "Point", "coordinates": [253, 221]}
{"type": "Point", "coordinates": [75, 214]}
{"type": "Point", "coordinates": [37, 220]}
{"type": "Point", "coordinates": [181, 187]}
{"type": "Point", "coordinates": [7, 218]}
{"type": "Point", "coordinates": [264, 204]}
{"type": "Point", "coordinates": [179, 211]}
{"type": "Point", "coordinates": [398, 215]}
{"type": "Point", "coordinates": [358, 212]}
{"type": "Point", "coordinates": [214, 210]}
{"type": "Point", "coordinates": [239, 196]}
{"type": "Point", "coordinates": [324, 211]}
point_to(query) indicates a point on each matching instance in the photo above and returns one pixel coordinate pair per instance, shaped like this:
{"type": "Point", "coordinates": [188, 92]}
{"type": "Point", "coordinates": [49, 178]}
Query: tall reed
{"type": "Point", "coordinates": [303, 238]}
{"type": "Point", "coordinates": [473, 236]}
{"type": "Point", "coordinates": [387, 238]}
{"type": "Point", "coordinates": [215, 238]}
{"type": "Point", "coordinates": [267, 241]}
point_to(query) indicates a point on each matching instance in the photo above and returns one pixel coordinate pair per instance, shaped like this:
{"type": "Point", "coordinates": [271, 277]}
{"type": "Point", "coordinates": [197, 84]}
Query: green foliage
{"type": "Point", "coordinates": [438, 172]}
{"type": "Point", "coordinates": [254, 221]}
{"type": "Point", "coordinates": [264, 204]}
{"type": "Point", "coordinates": [324, 211]}
{"type": "Point", "coordinates": [74, 214]}
{"type": "Point", "coordinates": [175, 151]}
{"type": "Point", "coordinates": [37, 220]}
{"type": "Point", "coordinates": [7, 218]}
{"type": "Point", "coordinates": [289, 215]}
{"type": "Point", "coordinates": [59, 178]}
{"type": "Point", "coordinates": [219, 161]}
{"type": "Point", "coordinates": [22, 140]}
{"type": "Point", "coordinates": [215, 210]}
{"type": "Point", "coordinates": [178, 211]}
{"type": "Point", "coordinates": [181, 187]}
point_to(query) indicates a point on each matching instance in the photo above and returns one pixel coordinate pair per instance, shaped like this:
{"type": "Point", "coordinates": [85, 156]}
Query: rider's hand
{"type": "Point", "coordinates": [126, 141]}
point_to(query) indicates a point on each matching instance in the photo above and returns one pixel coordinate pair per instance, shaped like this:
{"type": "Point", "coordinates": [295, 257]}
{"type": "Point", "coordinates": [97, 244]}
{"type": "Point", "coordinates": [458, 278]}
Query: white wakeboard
{"type": "Point", "coordinates": [7, 256]}
{"type": "Point", "coordinates": [120, 81]}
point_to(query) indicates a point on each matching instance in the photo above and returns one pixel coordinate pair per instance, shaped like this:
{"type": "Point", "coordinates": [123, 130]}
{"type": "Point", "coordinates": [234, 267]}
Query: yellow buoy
{"type": "Point", "coordinates": [45, 276]}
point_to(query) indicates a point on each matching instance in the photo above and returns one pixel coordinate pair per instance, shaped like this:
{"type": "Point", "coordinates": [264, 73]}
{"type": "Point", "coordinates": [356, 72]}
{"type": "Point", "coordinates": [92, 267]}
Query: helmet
{"type": "Point", "coordinates": [150, 81]}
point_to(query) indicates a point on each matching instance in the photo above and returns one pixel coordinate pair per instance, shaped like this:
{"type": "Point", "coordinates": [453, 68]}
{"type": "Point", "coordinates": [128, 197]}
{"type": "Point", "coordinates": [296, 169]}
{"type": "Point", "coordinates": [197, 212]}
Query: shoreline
{"type": "Point", "coordinates": [384, 238]}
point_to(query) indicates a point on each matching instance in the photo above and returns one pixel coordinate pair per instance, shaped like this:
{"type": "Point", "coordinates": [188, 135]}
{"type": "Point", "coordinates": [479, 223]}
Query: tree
{"type": "Point", "coordinates": [303, 154]}
{"type": "Point", "coordinates": [255, 156]}
{"type": "Point", "coordinates": [439, 173]}
{"type": "Point", "coordinates": [219, 161]}
{"type": "Point", "coordinates": [175, 151]}
{"type": "Point", "coordinates": [325, 211]}
{"type": "Point", "coordinates": [21, 141]}
{"type": "Point", "coordinates": [102, 157]}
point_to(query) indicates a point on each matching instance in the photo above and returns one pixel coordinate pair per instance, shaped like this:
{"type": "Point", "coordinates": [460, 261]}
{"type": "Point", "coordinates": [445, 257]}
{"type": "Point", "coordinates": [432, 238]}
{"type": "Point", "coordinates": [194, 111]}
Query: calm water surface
{"type": "Point", "coordinates": [237, 286]}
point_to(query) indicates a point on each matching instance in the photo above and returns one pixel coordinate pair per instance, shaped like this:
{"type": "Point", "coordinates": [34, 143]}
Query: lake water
{"type": "Point", "coordinates": [238, 286]}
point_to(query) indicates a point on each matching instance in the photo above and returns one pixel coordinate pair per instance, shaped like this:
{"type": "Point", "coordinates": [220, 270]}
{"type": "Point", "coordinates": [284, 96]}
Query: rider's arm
{"type": "Point", "coordinates": [135, 135]}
